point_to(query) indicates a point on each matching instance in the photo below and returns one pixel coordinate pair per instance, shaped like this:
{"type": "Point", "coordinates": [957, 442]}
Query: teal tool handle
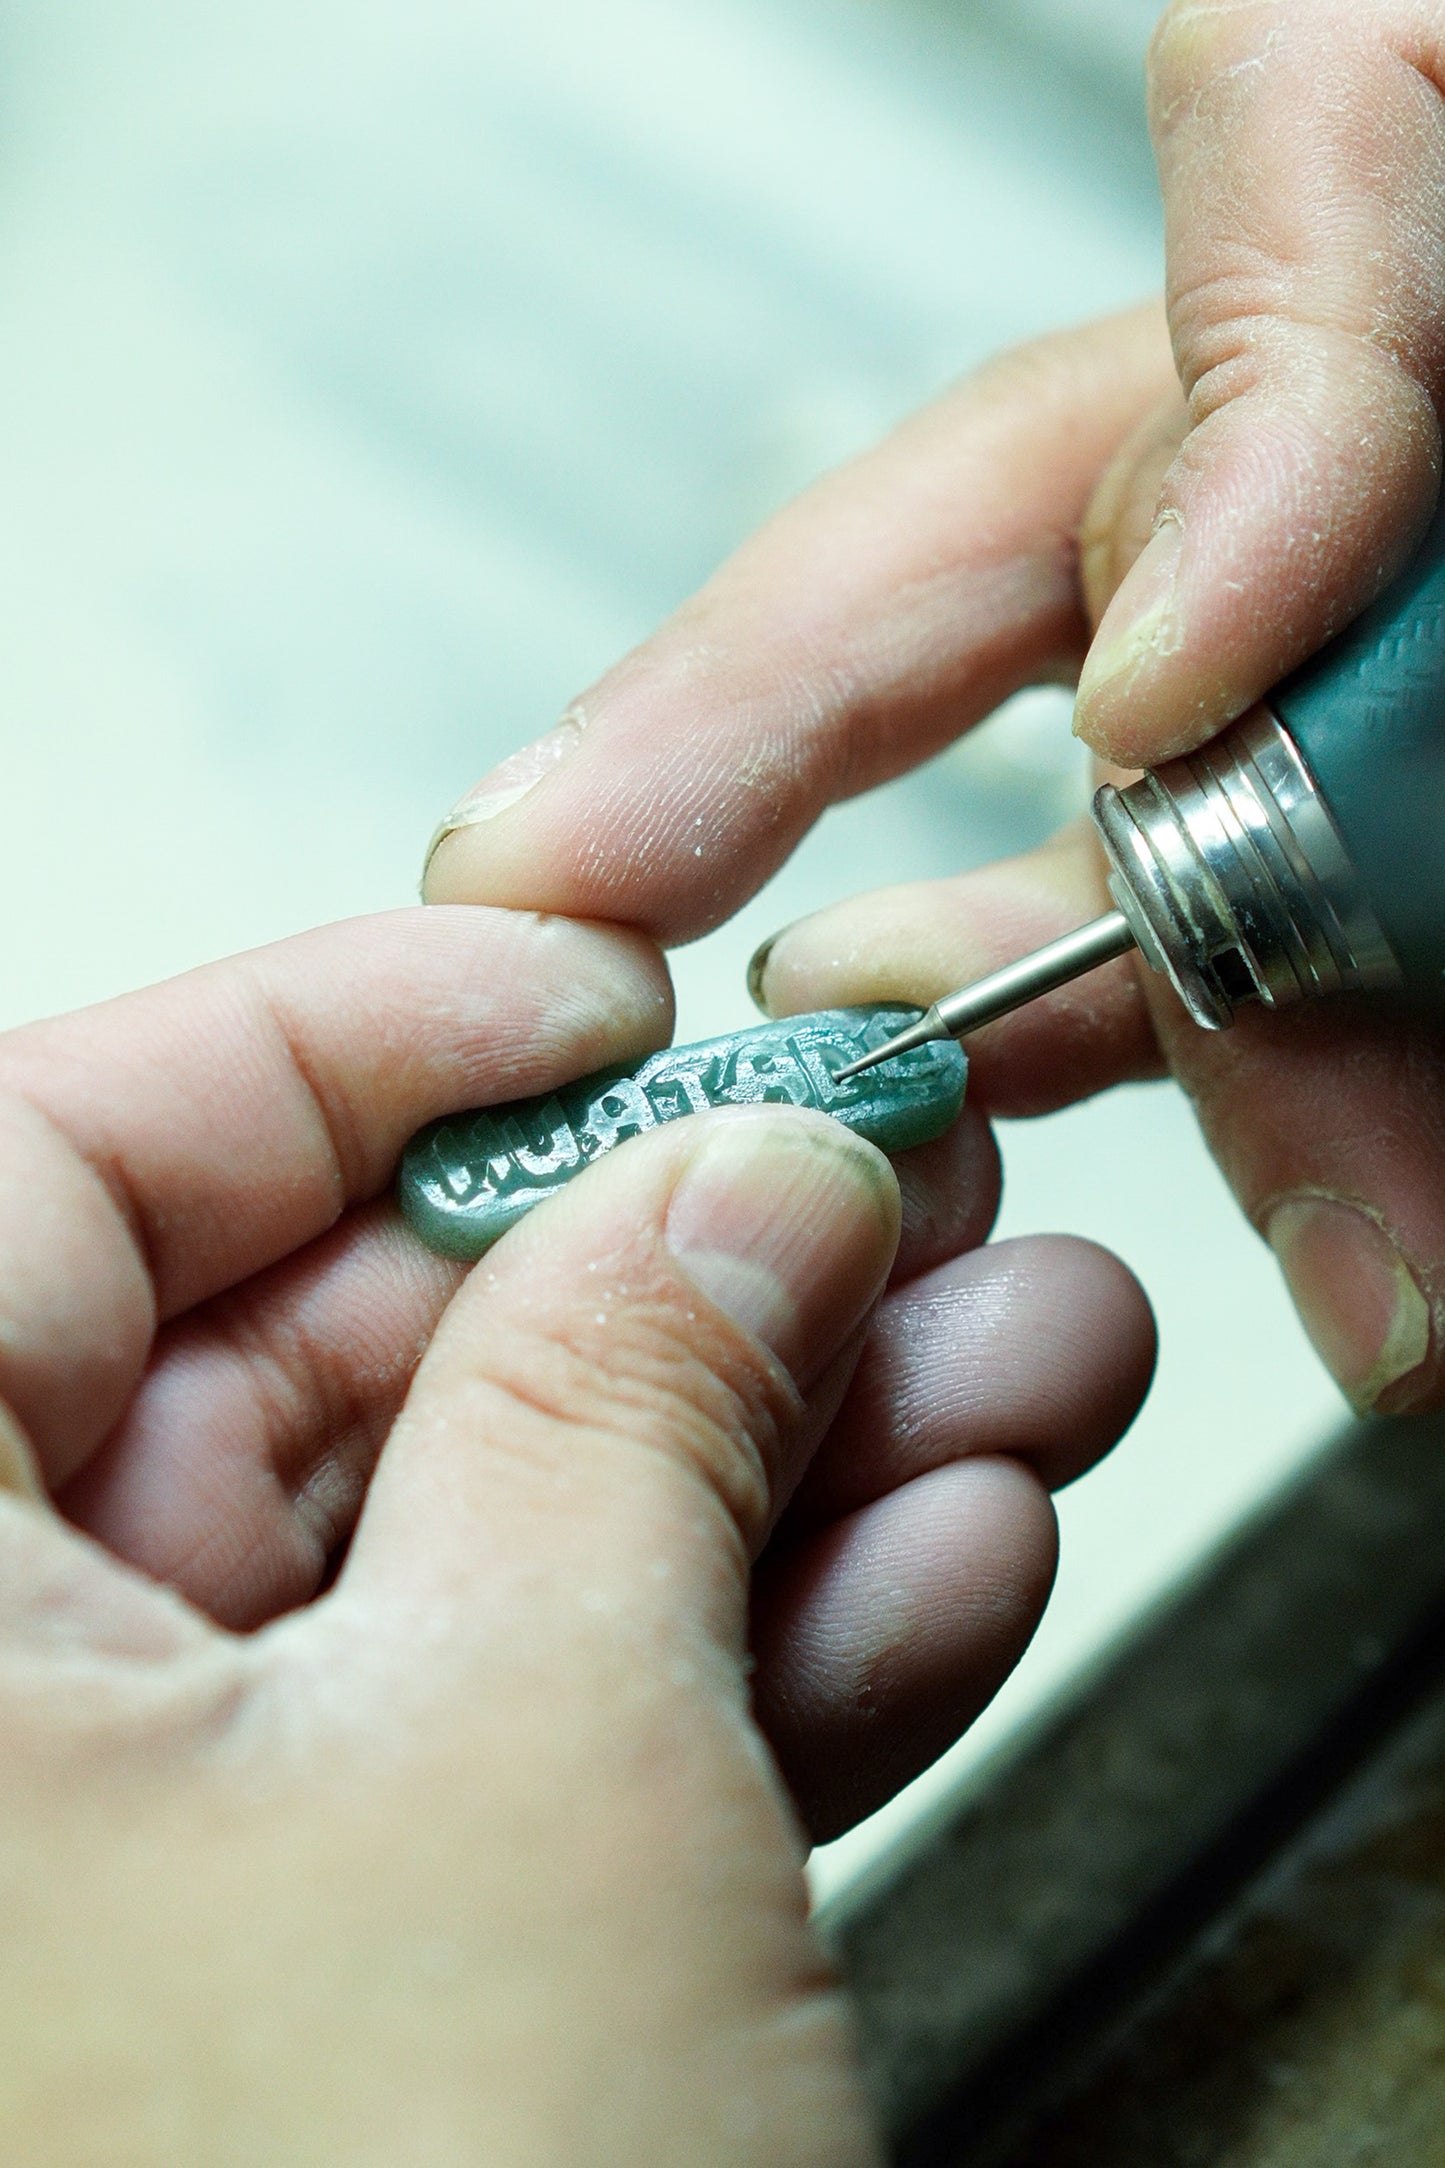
{"type": "Point", "coordinates": [1368, 716]}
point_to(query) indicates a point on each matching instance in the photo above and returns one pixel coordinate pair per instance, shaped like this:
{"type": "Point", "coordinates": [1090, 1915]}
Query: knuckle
{"type": "Point", "coordinates": [1241, 330]}
{"type": "Point", "coordinates": [1230, 329]}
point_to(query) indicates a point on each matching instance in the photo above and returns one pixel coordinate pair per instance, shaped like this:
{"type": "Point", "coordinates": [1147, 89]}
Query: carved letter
{"type": "Point", "coordinates": [558, 1151]}
{"type": "Point", "coordinates": [756, 1078]}
{"type": "Point", "coordinates": [621, 1110]}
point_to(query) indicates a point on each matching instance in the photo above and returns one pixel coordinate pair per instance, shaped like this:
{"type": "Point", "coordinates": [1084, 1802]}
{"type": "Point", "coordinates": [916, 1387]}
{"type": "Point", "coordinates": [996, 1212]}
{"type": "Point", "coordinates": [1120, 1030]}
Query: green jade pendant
{"type": "Point", "coordinates": [468, 1178]}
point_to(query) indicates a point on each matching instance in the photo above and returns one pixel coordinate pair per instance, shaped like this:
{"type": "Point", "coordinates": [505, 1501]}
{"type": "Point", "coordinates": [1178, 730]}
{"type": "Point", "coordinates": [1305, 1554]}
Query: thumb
{"type": "Point", "coordinates": [1303, 164]}
{"type": "Point", "coordinates": [624, 1393]}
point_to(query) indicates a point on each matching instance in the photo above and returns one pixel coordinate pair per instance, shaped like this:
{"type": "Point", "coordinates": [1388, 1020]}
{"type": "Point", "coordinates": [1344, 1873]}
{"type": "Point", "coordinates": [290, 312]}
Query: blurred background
{"type": "Point", "coordinates": [371, 374]}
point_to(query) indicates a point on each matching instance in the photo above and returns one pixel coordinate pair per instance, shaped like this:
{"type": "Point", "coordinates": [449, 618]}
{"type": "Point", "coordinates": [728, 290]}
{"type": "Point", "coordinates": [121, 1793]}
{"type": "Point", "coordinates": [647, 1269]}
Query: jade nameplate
{"type": "Point", "coordinates": [465, 1180]}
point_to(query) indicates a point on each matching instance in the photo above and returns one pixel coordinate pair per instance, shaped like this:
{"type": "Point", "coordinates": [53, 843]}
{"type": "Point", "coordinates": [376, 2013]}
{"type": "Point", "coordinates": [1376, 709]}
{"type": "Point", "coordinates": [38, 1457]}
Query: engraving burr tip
{"type": "Point", "coordinates": [903, 1042]}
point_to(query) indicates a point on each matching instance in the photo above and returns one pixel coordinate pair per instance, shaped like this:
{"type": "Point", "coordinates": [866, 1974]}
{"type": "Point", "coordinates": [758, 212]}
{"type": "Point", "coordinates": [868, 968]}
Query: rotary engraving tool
{"type": "Point", "coordinates": [1301, 852]}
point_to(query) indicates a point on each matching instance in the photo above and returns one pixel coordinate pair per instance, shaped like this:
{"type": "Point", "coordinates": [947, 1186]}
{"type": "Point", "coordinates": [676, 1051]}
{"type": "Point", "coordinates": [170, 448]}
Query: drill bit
{"type": "Point", "coordinates": [1006, 990]}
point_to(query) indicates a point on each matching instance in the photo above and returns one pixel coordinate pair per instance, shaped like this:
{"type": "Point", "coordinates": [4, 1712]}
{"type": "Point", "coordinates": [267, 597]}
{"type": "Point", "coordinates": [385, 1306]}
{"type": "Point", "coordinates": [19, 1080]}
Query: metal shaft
{"type": "Point", "coordinates": [1003, 991]}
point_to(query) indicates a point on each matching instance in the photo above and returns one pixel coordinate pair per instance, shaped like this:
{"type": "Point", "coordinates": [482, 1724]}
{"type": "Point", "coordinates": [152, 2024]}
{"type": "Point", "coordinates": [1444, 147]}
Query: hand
{"type": "Point", "coordinates": [478, 1855]}
{"type": "Point", "coordinates": [1235, 523]}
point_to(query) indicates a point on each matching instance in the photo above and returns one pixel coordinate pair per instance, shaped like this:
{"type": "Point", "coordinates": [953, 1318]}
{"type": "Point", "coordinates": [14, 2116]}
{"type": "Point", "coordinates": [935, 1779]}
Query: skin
{"type": "Point", "coordinates": [1217, 485]}
{"type": "Point", "coordinates": [410, 1756]}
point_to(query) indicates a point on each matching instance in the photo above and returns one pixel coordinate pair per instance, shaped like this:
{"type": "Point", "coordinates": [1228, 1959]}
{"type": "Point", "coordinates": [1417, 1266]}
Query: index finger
{"type": "Point", "coordinates": [879, 616]}
{"type": "Point", "coordinates": [159, 1148]}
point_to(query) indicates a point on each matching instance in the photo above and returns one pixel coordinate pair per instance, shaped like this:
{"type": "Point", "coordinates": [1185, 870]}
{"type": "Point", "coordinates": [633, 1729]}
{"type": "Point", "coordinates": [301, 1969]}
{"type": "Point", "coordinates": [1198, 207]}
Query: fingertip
{"type": "Point", "coordinates": [1041, 1347]}
{"type": "Point", "coordinates": [1304, 486]}
{"type": "Point", "coordinates": [1365, 1312]}
{"type": "Point", "coordinates": [640, 1350]}
{"type": "Point", "coordinates": [879, 1639]}
{"type": "Point", "coordinates": [19, 1471]}
{"type": "Point", "coordinates": [470, 845]}
{"type": "Point", "coordinates": [757, 973]}
{"type": "Point", "coordinates": [1302, 167]}
{"type": "Point", "coordinates": [1272, 540]}
{"type": "Point", "coordinates": [870, 622]}
{"type": "Point", "coordinates": [1141, 631]}
{"type": "Point", "coordinates": [1325, 1121]}
{"type": "Point", "coordinates": [919, 942]}
{"type": "Point", "coordinates": [1104, 1306]}
{"type": "Point", "coordinates": [789, 1223]}
{"type": "Point", "coordinates": [949, 1192]}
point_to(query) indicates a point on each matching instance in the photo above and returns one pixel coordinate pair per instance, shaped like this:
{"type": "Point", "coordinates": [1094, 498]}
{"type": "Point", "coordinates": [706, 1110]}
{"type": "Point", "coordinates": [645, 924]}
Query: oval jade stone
{"type": "Point", "coordinates": [466, 1179]}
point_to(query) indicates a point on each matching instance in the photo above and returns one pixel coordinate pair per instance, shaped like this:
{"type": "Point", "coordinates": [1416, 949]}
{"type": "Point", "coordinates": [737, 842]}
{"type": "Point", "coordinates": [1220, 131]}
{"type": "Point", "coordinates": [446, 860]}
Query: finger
{"type": "Point", "coordinates": [1327, 1122]}
{"type": "Point", "coordinates": [237, 1471]}
{"type": "Point", "coordinates": [545, 1603]}
{"type": "Point", "coordinates": [949, 1193]}
{"type": "Point", "coordinates": [918, 942]}
{"type": "Point", "coordinates": [162, 1147]}
{"type": "Point", "coordinates": [1041, 1348]}
{"type": "Point", "coordinates": [1303, 164]}
{"type": "Point", "coordinates": [875, 619]}
{"type": "Point", "coordinates": [879, 1639]}
{"type": "Point", "coordinates": [617, 1401]}
{"type": "Point", "coordinates": [913, 1562]}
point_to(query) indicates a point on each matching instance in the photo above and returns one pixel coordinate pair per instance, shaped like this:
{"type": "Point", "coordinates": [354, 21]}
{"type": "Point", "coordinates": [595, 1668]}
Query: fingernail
{"type": "Point", "coordinates": [18, 1472]}
{"type": "Point", "coordinates": [520, 773]}
{"type": "Point", "coordinates": [1141, 624]}
{"type": "Point", "coordinates": [789, 1225]}
{"type": "Point", "coordinates": [1357, 1298]}
{"type": "Point", "coordinates": [757, 970]}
